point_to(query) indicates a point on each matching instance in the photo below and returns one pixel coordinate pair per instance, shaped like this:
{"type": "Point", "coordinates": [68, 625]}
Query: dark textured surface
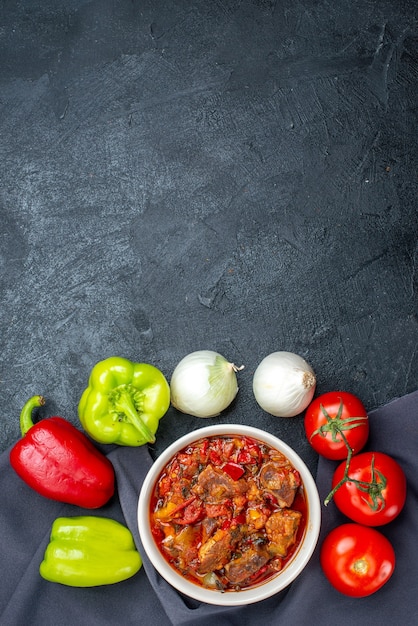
{"type": "Point", "coordinates": [234, 175]}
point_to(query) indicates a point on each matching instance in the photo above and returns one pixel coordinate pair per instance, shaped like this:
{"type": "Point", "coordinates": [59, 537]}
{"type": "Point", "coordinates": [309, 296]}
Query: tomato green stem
{"type": "Point", "coordinates": [345, 476]}
{"type": "Point", "coordinates": [26, 421]}
{"type": "Point", "coordinates": [373, 488]}
{"type": "Point", "coordinates": [336, 425]}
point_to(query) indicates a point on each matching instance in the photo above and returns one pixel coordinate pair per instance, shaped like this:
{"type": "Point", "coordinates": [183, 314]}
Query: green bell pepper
{"type": "Point", "coordinates": [124, 402]}
{"type": "Point", "coordinates": [89, 551]}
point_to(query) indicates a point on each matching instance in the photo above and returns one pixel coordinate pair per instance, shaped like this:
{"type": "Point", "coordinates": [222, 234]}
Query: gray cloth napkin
{"type": "Point", "coordinates": [26, 519]}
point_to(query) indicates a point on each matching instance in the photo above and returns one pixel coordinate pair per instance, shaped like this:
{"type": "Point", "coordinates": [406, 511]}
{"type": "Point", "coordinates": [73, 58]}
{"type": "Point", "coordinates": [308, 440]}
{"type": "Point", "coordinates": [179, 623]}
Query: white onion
{"type": "Point", "coordinates": [284, 384]}
{"type": "Point", "coordinates": [203, 384]}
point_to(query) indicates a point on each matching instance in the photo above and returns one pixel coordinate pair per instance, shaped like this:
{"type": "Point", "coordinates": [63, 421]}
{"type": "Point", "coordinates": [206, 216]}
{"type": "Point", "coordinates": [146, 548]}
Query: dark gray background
{"type": "Point", "coordinates": [236, 175]}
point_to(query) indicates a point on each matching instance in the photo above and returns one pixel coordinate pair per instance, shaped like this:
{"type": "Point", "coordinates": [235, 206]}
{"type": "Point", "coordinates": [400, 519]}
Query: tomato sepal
{"type": "Point", "coordinates": [370, 488]}
{"type": "Point", "coordinates": [335, 423]}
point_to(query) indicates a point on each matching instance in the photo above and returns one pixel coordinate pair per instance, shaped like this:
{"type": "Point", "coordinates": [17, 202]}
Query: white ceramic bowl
{"type": "Point", "coordinates": [247, 596]}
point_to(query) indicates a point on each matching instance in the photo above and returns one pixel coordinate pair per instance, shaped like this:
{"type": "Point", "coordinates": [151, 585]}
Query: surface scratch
{"type": "Point", "coordinates": [383, 57]}
{"type": "Point", "coordinates": [366, 264]}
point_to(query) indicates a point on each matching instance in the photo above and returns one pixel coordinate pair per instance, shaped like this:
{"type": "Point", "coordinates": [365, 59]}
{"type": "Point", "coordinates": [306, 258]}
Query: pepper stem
{"type": "Point", "coordinates": [125, 400]}
{"type": "Point", "coordinates": [26, 421]}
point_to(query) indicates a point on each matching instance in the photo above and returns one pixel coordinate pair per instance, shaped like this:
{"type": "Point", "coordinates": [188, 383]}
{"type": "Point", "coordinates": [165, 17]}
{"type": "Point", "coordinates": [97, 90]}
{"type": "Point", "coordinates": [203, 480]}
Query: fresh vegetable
{"type": "Point", "coordinates": [124, 402]}
{"type": "Point", "coordinates": [335, 422]}
{"type": "Point", "coordinates": [357, 560]}
{"type": "Point", "coordinates": [284, 384]}
{"type": "Point", "coordinates": [203, 384]}
{"type": "Point", "coordinates": [371, 490]}
{"type": "Point", "coordinates": [58, 461]}
{"type": "Point", "coordinates": [89, 551]}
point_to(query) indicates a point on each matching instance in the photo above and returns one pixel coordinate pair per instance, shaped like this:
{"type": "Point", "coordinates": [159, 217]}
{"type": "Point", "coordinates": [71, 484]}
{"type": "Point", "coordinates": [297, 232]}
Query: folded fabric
{"type": "Point", "coordinates": [26, 519]}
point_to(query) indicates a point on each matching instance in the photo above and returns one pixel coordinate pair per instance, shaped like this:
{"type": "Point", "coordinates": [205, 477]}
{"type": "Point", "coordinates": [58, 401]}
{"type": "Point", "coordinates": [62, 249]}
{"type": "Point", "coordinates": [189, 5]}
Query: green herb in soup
{"type": "Point", "coordinates": [228, 512]}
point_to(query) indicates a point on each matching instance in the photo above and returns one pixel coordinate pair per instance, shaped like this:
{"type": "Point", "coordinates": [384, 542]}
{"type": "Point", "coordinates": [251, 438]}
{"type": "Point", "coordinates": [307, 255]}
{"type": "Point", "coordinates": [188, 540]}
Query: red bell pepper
{"type": "Point", "coordinates": [234, 470]}
{"type": "Point", "coordinates": [59, 462]}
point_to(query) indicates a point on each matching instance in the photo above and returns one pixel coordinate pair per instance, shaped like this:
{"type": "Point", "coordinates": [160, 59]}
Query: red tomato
{"type": "Point", "coordinates": [375, 491]}
{"type": "Point", "coordinates": [357, 560]}
{"type": "Point", "coordinates": [330, 418]}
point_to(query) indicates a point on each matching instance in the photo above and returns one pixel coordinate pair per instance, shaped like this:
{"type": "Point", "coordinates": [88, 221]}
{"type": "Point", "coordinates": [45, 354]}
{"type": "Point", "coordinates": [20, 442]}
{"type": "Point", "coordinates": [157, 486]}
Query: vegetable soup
{"type": "Point", "coordinates": [228, 512]}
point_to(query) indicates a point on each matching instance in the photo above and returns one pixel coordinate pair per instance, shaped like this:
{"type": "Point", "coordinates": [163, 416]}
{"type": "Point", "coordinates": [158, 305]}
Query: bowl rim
{"type": "Point", "coordinates": [255, 594]}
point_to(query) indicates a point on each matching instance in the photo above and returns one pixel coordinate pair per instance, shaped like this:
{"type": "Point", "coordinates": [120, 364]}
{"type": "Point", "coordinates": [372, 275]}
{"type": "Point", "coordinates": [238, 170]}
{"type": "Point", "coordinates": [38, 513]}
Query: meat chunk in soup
{"type": "Point", "coordinates": [217, 550]}
{"type": "Point", "coordinates": [214, 485]}
{"type": "Point", "coordinates": [281, 528]}
{"type": "Point", "coordinates": [240, 569]}
{"type": "Point", "coordinates": [281, 481]}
